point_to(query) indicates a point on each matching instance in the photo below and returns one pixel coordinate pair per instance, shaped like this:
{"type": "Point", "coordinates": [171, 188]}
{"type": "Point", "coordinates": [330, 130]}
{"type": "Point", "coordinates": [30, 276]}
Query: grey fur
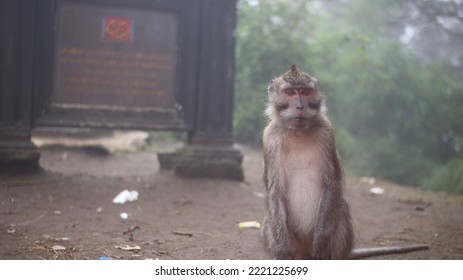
{"type": "Point", "coordinates": [299, 130]}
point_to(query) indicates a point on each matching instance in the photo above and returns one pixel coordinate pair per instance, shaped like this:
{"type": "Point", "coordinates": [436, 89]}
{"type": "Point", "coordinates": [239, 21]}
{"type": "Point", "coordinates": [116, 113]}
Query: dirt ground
{"type": "Point", "coordinates": [66, 211]}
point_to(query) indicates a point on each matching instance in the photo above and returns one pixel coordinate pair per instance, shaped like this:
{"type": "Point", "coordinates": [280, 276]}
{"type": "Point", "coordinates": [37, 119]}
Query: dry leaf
{"type": "Point", "coordinates": [58, 248]}
{"type": "Point", "coordinates": [128, 248]}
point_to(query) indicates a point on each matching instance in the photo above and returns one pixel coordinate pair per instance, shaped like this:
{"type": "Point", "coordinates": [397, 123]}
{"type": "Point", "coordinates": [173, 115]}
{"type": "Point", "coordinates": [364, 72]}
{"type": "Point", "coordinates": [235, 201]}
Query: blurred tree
{"type": "Point", "coordinates": [397, 112]}
{"type": "Point", "coordinates": [435, 30]}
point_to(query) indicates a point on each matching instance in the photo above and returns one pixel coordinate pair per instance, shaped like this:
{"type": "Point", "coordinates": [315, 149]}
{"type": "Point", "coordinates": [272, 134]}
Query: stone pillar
{"type": "Point", "coordinates": [17, 24]}
{"type": "Point", "coordinates": [210, 151]}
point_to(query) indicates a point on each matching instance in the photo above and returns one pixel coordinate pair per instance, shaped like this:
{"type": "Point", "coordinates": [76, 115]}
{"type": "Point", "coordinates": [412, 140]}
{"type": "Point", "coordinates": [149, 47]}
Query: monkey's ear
{"type": "Point", "coordinates": [271, 86]}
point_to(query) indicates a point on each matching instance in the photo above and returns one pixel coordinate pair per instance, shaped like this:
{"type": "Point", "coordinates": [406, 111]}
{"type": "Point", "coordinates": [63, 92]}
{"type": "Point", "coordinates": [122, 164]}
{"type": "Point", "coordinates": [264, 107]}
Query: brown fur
{"type": "Point", "coordinates": [307, 215]}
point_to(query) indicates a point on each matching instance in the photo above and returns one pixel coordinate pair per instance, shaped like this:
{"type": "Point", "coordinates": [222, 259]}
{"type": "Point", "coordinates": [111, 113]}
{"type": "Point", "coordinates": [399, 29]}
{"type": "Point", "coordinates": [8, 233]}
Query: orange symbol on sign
{"type": "Point", "coordinates": [118, 29]}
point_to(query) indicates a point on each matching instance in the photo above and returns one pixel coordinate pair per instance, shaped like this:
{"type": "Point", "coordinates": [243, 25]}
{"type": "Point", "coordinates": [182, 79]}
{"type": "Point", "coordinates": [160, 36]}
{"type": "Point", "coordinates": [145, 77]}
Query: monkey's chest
{"type": "Point", "coordinates": [303, 190]}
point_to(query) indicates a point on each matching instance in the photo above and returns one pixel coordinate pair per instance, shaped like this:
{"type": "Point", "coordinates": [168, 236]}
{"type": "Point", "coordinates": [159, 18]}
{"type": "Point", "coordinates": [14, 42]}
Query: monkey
{"type": "Point", "coordinates": [307, 215]}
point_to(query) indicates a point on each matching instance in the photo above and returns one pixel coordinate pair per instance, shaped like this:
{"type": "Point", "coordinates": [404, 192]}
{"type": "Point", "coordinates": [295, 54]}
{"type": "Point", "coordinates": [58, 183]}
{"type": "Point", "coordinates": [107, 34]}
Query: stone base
{"type": "Point", "coordinates": [19, 156]}
{"type": "Point", "coordinates": [204, 162]}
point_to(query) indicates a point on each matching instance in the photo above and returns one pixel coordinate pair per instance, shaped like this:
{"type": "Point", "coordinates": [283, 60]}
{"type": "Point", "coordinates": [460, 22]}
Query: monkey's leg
{"type": "Point", "coordinates": [334, 233]}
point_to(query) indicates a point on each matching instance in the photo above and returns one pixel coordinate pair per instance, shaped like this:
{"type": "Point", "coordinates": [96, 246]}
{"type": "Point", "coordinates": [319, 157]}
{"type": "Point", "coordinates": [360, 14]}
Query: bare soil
{"type": "Point", "coordinates": [66, 211]}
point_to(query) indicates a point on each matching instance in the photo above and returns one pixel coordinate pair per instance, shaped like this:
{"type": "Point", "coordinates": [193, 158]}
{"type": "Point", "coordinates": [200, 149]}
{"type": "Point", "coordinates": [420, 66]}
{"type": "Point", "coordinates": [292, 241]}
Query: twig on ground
{"type": "Point", "coordinates": [32, 221]}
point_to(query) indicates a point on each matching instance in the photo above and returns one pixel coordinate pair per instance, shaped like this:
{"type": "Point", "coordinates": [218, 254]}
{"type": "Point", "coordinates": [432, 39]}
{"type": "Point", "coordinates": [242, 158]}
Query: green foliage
{"type": "Point", "coordinates": [267, 45]}
{"type": "Point", "coordinates": [397, 115]}
{"type": "Point", "coordinates": [344, 143]}
{"type": "Point", "coordinates": [448, 177]}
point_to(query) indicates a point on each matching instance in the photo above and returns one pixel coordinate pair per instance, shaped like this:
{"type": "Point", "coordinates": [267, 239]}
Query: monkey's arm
{"type": "Point", "coordinates": [275, 229]}
{"type": "Point", "coordinates": [324, 226]}
{"type": "Point", "coordinates": [276, 232]}
{"type": "Point", "coordinates": [333, 224]}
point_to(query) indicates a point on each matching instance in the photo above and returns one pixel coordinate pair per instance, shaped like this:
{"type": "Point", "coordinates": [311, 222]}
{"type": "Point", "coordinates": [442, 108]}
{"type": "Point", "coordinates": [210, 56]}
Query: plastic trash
{"type": "Point", "coordinates": [251, 224]}
{"type": "Point", "coordinates": [105, 258]}
{"type": "Point", "coordinates": [258, 194]}
{"type": "Point", "coordinates": [126, 196]}
{"type": "Point", "coordinates": [124, 215]}
{"type": "Point", "coordinates": [128, 247]}
{"type": "Point", "coordinates": [377, 190]}
{"type": "Point", "coordinates": [58, 248]}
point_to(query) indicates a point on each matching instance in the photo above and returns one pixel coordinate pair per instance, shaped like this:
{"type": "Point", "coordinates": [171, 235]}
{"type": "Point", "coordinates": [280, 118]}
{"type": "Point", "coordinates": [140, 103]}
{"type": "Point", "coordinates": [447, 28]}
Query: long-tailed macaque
{"type": "Point", "coordinates": [307, 215]}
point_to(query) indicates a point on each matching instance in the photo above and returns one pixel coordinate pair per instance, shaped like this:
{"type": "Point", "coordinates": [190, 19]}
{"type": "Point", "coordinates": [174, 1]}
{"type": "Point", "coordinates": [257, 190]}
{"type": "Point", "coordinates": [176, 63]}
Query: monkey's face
{"type": "Point", "coordinates": [294, 100]}
{"type": "Point", "coordinates": [298, 107]}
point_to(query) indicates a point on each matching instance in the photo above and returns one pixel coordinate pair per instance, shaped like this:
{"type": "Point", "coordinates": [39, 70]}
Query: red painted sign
{"type": "Point", "coordinates": [118, 29]}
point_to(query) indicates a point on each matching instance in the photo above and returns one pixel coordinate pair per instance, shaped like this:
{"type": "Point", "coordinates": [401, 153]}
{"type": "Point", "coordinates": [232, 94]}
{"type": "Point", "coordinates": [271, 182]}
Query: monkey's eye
{"type": "Point", "coordinates": [291, 92]}
{"type": "Point", "coordinates": [314, 104]}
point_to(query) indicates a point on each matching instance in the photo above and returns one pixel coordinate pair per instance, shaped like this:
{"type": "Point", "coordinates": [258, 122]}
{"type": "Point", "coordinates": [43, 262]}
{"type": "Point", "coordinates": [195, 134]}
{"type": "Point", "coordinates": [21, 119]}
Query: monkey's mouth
{"type": "Point", "coordinates": [299, 122]}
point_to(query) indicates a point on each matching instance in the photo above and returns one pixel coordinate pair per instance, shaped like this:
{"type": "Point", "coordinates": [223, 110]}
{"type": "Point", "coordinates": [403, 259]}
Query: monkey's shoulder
{"type": "Point", "coordinates": [271, 138]}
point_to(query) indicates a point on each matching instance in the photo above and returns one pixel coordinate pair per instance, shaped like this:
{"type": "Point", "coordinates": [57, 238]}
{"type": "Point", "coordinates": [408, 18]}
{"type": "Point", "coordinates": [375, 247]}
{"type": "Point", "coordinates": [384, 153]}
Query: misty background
{"type": "Point", "coordinates": [392, 71]}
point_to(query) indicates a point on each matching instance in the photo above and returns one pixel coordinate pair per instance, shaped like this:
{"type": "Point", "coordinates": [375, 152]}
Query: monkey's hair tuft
{"type": "Point", "coordinates": [297, 77]}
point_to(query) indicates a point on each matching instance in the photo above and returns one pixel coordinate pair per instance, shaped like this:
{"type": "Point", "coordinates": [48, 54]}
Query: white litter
{"type": "Point", "coordinates": [377, 190]}
{"type": "Point", "coordinates": [58, 248]}
{"type": "Point", "coordinates": [124, 215]}
{"type": "Point", "coordinates": [258, 194]}
{"type": "Point", "coordinates": [128, 247]}
{"type": "Point", "coordinates": [126, 196]}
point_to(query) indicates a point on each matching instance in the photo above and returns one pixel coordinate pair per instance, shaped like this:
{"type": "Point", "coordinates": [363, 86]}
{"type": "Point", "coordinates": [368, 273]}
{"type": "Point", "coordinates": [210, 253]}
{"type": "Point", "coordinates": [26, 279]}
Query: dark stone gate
{"type": "Point", "coordinates": [138, 64]}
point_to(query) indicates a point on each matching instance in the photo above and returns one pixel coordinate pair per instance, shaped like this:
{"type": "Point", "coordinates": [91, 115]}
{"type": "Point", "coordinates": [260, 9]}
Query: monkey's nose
{"type": "Point", "coordinates": [299, 104]}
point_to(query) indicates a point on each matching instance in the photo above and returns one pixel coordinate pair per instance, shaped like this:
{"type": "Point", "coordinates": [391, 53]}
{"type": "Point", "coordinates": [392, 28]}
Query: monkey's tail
{"type": "Point", "coordinates": [361, 253]}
